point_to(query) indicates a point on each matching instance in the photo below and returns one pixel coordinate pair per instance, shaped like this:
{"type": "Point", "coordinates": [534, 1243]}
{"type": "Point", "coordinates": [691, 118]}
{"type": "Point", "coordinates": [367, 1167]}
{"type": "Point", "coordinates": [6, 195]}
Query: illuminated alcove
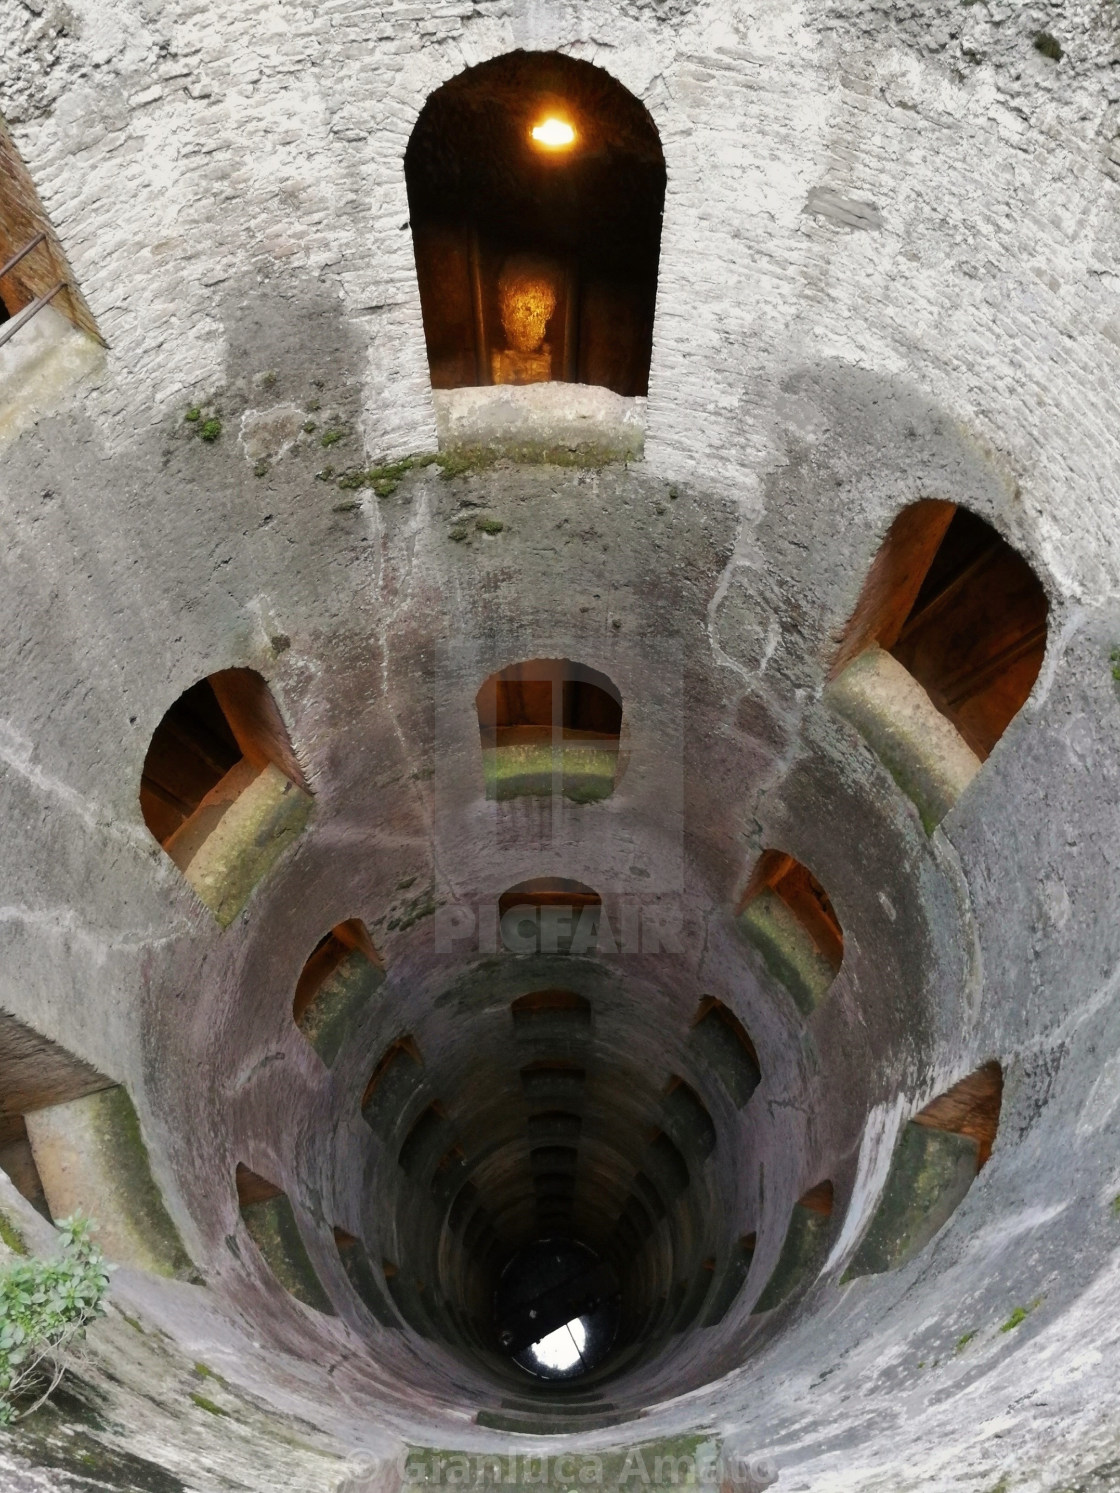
{"type": "Point", "coordinates": [535, 189]}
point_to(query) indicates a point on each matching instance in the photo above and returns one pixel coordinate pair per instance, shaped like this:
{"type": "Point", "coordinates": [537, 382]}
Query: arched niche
{"type": "Point", "coordinates": [222, 790]}
{"type": "Point", "coordinates": [938, 1155]}
{"type": "Point", "coordinates": [535, 189]}
{"type": "Point", "coordinates": [550, 915]}
{"type": "Point", "coordinates": [337, 982]}
{"type": "Point", "coordinates": [789, 917]}
{"type": "Point", "coordinates": [942, 650]}
{"type": "Point", "coordinates": [270, 1221]}
{"type": "Point", "coordinates": [724, 1047]}
{"type": "Point", "coordinates": [548, 725]}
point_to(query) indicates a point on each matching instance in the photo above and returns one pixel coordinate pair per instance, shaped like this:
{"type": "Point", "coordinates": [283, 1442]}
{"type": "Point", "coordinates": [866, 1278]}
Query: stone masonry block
{"type": "Point", "coordinates": [239, 830]}
{"type": "Point", "coordinates": [931, 1171]}
{"type": "Point", "coordinates": [789, 952]}
{"type": "Point", "coordinates": [91, 1157]}
{"type": "Point", "coordinates": [922, 750]}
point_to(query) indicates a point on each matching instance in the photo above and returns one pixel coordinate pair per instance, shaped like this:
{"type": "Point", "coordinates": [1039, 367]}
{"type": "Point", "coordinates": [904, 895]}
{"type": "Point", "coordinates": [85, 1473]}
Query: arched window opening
{"type": "Point", "coordinates": [270, 1220]}
{"type": "Point", "coordinates": [804, 1249]}
{"type": "Point", "coordinates": [222, 790]}
{"type": "Point", "coordinates": [556, 1017]}
{"type": "Point", "coordinates": [549, 726]}
{"type": "Point", "coordinates": [430, 1136]}
{"type": "Point", "coordinates": [553, 1081]}
{"type": "Point", "coordinates": [535, 189]}
{"type": "Point", "coordinates": [942, 651]}
{"type": "Point", "coordinates": [731, 1282]}
{"type": "Point", "coordinates": [551, 915]}
{"type": "Point", "coordinates": [789, 917]}
{"type": "Point", "coordinates": [687, 1119]}
{"type": "Point", "coordinates": [554, 1125]}
{"type": "Point", "coordinates": [726, 1049]}
{"type": "Point", "coordinates": [695, 1295]}
{"type": "Point", "coordinates": [398, 1075]}
{"type": "Point", "coordinates": [406, 1293]}
{"type": "Point", "coordinates": [35, 1074]}
{"type": "Point", "coordinates": [364, 1278]}
{"type": "Point", "coordinates": [936, 1160]}
{"type": "Point", "coordinates": [340, 977]}
{"type": "Point", "coordinates": [666, 1166]}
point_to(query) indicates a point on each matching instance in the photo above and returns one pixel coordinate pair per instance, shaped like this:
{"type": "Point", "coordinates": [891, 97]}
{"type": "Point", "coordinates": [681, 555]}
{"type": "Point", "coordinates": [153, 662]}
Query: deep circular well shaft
{"type": "Point", "coordinates": [558, 766]}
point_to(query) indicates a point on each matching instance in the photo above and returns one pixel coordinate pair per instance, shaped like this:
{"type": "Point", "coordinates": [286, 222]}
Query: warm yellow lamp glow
{"type": "Point", "coordinates": [554, 134]}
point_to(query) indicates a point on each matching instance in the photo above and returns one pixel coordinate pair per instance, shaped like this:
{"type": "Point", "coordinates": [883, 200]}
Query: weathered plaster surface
{"type": "Point", "coordinates": [888, 272]}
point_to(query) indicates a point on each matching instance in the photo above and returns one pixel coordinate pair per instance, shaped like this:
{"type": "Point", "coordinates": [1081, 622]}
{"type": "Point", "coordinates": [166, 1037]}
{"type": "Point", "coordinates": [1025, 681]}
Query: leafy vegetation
{"type": "Point", "coordinates": [1020, 1314]}
{"type": "Point", "coordinates": [45, 1307]}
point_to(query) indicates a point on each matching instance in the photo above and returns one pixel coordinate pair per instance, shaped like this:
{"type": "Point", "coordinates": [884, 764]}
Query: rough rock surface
{"type": "Point", "coordinates": [888, 272]}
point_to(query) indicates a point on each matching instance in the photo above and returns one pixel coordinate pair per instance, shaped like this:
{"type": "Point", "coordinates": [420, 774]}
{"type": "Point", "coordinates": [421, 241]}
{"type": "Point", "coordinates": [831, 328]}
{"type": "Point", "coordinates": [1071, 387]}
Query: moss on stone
{"type": "Point", "coordinates": [1020, 1315]}
{"type": "Point", "coordinates": [273, 1229]}
{"type": "Point", "coordinates": [210, 430]}
{"type": "Point", "coordinates": [208, 1405]}
{"type": "Point", "coordinates": [11, 1236]}
{"type": "Point", "coordinates": [238, 832]}
{"type": "Point", "coordinates": [1049, 45]}
{"type": "Point", "coordinates": [332, 1016]}
{"type": "Point", "coordinates": [801, 1257]}
{"type": "Point", "coordinates": [525, 770]}
{"type": "Point", "coordinates": [789, 953]}
{"type": "Point", "coordinates": [489, 525]}
{"type": "Point", "coordinates": [931, 1171]}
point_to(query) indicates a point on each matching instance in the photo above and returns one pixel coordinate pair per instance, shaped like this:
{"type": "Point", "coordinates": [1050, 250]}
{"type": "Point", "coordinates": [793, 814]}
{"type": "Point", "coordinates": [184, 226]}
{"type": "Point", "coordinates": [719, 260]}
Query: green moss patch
{"type": "Point", "coordinates": [1049, 45]}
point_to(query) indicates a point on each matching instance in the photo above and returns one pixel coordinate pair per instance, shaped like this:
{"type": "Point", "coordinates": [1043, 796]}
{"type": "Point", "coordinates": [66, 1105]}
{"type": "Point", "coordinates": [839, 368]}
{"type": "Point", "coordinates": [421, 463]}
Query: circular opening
{"type": "Point", "coordinates": [556, 1308]}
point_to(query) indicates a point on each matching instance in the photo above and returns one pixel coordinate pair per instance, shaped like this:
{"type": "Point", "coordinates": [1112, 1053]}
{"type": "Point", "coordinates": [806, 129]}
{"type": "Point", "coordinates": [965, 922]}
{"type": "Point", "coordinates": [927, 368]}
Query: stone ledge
{"type": "Point", "coordinates": [91, 1156]}
{"type": "Point", "coordinates": [789, 953]}
{"type": "Point", "coordinates": [574, 424]}
{"type": "Point", "coordinates": [236, 834]}
{"type": "Point", "coordinates": [931, 1170]}
{"type": "Point", "coordinates": [922, 750]}
{"type": "Point", "coordinates": [38, 366]}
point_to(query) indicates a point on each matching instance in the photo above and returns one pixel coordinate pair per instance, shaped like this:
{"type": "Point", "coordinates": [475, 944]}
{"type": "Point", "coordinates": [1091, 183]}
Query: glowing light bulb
{"type": "Point", "coordinates": [554, 134]}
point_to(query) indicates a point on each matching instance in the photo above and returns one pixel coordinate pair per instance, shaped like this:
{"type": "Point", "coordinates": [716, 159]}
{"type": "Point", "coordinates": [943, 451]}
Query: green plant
{"type": "Point", "coordinates": [329, 437]}
{"type": "Point", "coordinates": [963, 1341]}
{"type": "Point", "coordinates": [489, 525]}
{"type": "Point", "coordinates": [210, 429]}
{"type": "Point", "coordinates": [45, 1306]}
{"type": "Point", "coordinates": [1020, 1314]}
{"type": "Point", "coordinates": [1114, 660]}
{"type": "Point", "coordinates": [208, 1405]}
{"type": "Point", "coordinates": [1115, 1206]}
{"type": "Point", "coordinates": [194, 413]}
{"type": "Point", "coordinates": [1048, 45]}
